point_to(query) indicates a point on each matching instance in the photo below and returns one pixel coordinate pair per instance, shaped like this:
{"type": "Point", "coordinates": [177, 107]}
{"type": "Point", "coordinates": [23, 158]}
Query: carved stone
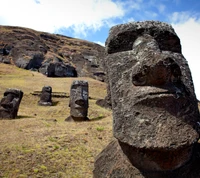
{"type": "Point", "coordinates": [45, 97]}
{"type": "Point", "coordinates": [155, 112]}
{"type": "Point", "coordinates": [78, 101]}
{"type": "Point", "coordinates": [10, 102]}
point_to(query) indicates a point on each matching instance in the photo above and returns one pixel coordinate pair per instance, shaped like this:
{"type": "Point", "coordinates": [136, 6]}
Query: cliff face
{"type": "Point", "coordinates": [51, 54]}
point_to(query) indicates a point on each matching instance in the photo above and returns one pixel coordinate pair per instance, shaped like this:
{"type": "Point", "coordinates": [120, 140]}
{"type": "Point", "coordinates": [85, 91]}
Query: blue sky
{"type": "Point", "coordinates": [92, 19]}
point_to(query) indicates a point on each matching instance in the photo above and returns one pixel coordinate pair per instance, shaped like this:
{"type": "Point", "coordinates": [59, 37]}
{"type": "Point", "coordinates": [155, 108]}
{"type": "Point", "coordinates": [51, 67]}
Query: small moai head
{"type": "Point", "coordinates": [9, 104]}
{"type": "Point", "coordinates": [79, 100]}
{"type": "Point", "coordinates": [45, 97]}
{"type": "Point", "coordinates": [154, 105]}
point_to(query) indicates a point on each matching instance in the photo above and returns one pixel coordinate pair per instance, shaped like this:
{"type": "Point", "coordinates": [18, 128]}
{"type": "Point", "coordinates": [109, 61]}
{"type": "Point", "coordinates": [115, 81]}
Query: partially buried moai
{"type": "Point", "coordinates": [45, 97]}
{"type": "Point", "coordinates": [9, 104]}
{"type": "Point", "coordinates": [78, 101]}
{"type": "Point", "coordinates": [155, 110]}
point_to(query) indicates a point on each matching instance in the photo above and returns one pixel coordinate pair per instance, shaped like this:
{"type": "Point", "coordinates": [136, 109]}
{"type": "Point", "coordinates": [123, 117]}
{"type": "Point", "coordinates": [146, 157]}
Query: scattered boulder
{"type": "Point", "coordinates": [9, 104]}
{"type": "Point", "coordinates": [100, 75]}
{"type": "Point", "coordinates": [45, 97]}
{"type": "Point", "coordinates": [78, 101]}
{"type": "Point", "coordinates": [59, 69]}
{"type": "Point", "coordinates": [155, 110]}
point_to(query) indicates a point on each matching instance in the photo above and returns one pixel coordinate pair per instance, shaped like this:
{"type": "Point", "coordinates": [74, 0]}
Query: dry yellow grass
{"type": "Point", "coordinates": [39, 143]}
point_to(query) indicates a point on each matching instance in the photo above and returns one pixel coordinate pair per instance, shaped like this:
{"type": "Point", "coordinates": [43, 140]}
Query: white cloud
{"type": "Point", "coordinates": [180, 17]}
{"type": "Point", "coordinates": [100, 43]}
{"type": "Point", "coordinates": [189, 34]}
{"type": "Point", "coordinates": [51, 15]}
{"type": "Point", "coordinates": [133, 4]}
{"type": "Point", "coordinates": [130, 20]}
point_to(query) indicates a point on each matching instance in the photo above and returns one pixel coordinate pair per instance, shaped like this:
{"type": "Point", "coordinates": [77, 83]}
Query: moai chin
{"type": "Point", "coordinates": [9, 104]}
{"type": "Point", "coordinates": [155, 111]}
{"type": "Point", "coordinates": [78, 101]}
{"type": "Point", "coordinates": [45, 97]}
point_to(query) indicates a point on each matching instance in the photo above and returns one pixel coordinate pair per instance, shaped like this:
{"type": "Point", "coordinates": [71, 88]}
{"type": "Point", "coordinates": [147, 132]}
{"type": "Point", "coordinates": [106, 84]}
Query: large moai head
{"type": "Point", "coordinates": [155, 111]}
{"type": "Point", "coordinates": [9, 104]}
{"type": "Point", "coordinates": [78, 101]}
{"type": "Point", "coordinates": [45, 97]}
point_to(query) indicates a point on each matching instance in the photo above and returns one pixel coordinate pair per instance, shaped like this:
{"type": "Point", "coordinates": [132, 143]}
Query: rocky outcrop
{"type": "Point", "coordinates": [155, 112]}
{"type": "Point", "coordinates": [58, 69]}
{"type": "Point", "coordinates": [51, 54]}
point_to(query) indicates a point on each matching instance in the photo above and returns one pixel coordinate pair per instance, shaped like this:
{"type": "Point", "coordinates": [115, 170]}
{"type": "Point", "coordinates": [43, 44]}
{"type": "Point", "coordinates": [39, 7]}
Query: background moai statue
{"type": "Point", "coordinates": [45, 97]}
{"type": "Point", "coordinates": [78, 101]}
{"type": "Point", "coordinates": [9, 104]}
{"type": "Point", "coordinates": [155, 110]}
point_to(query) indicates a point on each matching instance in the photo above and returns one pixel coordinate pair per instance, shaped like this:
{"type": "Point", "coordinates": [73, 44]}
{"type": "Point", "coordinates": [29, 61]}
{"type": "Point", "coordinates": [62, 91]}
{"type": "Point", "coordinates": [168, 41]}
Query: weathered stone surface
{"type": "Point", "coordinates": [100, 75]}
{"type": "Point", "coordinates": [9, 104]}
{"type": "Point", "coordinates": [155, 112]}
{"type": "Point", "coordinates": [152, 91]}
{"type": "Point", "coordinates": [113, 162]}
{"type": "Point", "coordinates": [106, 102]}
{"type": "Point", "coordinates": [33, 50]}
{"type": "Point", "coordinates": [61, 70]}
{"type": "Point", "coordinates": [121, 37]}
{"type": "Point", "coordinates": [45, 97]}
{"type": "Point", "coordinates": [78, 101]}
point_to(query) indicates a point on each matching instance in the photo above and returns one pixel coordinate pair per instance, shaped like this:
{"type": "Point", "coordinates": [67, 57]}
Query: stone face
{"type": "Point", "coordinates": [155, 112]}
{"type": "Point", "coordinates": [78, 101]}
{"type": "Point", "coordinates": [45, 98]}
{"type": "Point", "coordinates": [10, 102]}
{"type": "Point", "coordinates": [154, 104]}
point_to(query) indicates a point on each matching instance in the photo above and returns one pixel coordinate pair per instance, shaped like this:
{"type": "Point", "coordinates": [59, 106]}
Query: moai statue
{"type": "Point", "coordinates": [45, 97]}
{"type": "Point", "coordinates": [155, 111]}
{"type": "Point", "coordinates": [78, 101]}
{"type": "Point", "coordinates": [9, 104]}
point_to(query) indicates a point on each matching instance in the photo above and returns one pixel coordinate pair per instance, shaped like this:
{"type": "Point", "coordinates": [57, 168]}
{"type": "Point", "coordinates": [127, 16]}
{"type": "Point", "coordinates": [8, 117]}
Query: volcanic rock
{"type": "Point", "coordinates": [155, 112]}
{"type": "Point", "coordinates": [39, 51]}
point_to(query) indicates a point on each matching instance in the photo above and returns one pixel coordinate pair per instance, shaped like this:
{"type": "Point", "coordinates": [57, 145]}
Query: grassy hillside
{"type": "Point", "coordinates": [39, 143]}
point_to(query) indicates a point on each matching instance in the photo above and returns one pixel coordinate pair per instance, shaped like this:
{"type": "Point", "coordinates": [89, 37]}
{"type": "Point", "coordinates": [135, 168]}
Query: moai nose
{"type": "Point", "coordinates": [80, 102]}
{"type": "Point", "coordinates": [158, 73]}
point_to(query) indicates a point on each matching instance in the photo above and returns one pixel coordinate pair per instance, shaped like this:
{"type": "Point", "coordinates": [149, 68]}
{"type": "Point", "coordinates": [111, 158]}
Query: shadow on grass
{"type": "Point", "coordinates": [97, 118]}
{"type": "Point", "coordinates": [55, 103]}
{"type": "Point", "coordinates": [22, 117]}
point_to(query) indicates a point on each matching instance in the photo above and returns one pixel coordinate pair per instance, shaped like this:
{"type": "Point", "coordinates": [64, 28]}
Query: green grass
{"type": "Point", "coordinates": [35, 145]}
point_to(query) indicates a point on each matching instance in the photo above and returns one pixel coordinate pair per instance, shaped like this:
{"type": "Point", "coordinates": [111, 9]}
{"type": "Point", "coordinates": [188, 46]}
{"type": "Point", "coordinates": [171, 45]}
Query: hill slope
{"type": "Point", "coordinates": [39, 143]}
{"type": "Point", "coordinates": [51, 54]}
